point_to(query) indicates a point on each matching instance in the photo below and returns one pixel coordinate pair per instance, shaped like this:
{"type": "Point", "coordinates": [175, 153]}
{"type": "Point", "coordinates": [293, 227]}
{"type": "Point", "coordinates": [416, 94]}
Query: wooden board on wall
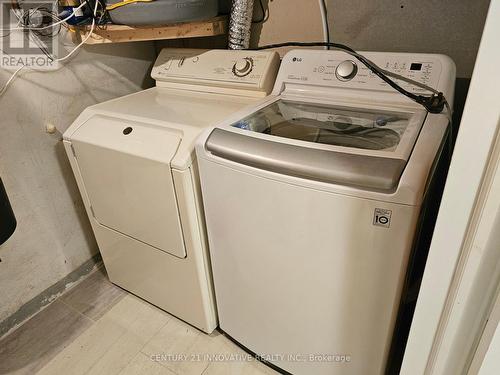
{"type": "Point", "coordinates": [122, 33]}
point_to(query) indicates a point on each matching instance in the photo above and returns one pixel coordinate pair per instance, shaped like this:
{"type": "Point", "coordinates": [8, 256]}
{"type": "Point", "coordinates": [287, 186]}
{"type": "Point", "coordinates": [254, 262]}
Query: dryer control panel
{"type": "Point", "coordinates": [340, 70]}
{"type": "Point", "coordinates": [213, 69]}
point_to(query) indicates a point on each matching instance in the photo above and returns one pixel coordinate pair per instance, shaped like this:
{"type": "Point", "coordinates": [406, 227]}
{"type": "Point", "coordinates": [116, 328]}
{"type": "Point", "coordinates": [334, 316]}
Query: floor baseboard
{"type": "Point", "coordinates": [38, 302]}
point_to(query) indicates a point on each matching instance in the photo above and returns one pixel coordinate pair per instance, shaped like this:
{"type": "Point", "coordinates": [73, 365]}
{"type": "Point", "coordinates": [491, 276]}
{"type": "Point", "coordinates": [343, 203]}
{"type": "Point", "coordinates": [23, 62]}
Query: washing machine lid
{"type": "Point", "coordinates": [353, 146]}
{"type": "Point", "coordinates": [354, 128]}
{"type": "Point", "coordinates": [125, 168]}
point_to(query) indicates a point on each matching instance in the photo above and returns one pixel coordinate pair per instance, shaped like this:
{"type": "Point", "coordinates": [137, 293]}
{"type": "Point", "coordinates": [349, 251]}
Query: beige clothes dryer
{"type": "Point", "coordinates": [135, 165]}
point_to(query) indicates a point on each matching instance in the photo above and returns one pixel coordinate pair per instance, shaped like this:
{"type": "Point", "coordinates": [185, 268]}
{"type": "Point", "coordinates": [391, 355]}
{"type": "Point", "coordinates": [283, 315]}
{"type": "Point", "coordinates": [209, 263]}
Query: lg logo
{"type": "Point", "coordinates": [382, 217]}
{"type": "Point", "coordinates": [297, 59]}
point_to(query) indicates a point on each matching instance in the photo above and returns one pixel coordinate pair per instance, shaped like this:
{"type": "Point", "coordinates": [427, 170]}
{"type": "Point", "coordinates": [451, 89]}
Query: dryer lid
{"type": "Point", "coordinates": [125, 168]}
{"type": "Point", "coordinates": [143, 139]}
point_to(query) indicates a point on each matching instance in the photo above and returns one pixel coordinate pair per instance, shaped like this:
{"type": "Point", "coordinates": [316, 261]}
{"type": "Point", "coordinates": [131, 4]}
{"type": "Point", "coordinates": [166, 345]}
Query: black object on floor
{"type": "Point", "coordinates": [7, 219]}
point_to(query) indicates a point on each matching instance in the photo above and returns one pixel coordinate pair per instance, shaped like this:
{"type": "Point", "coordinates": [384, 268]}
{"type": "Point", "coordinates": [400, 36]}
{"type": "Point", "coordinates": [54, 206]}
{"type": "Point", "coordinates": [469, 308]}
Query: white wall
{"type": "Point", "coordinates": [289, 20]}
{"type": "Point", "coordinates": [459, 267]}
{"type": "Point", "coordinates": [492, 360]}
{"type": "Point", "coordinates": [53, 236]}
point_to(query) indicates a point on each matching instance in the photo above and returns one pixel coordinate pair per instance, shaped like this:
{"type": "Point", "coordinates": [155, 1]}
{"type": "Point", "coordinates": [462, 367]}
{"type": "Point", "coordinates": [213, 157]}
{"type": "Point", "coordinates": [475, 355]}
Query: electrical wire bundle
{"type": "Point", "coordinates": [24, 24]}
{"type": "Point", "coordinates": [40, 16]}
{"type": "Point", "coordinates": [82, 16]}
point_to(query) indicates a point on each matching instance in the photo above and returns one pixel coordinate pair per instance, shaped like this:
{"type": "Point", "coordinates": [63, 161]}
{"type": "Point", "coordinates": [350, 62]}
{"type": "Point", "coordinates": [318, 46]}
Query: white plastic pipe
{"type": "Point", "coordinates": [324, 19]}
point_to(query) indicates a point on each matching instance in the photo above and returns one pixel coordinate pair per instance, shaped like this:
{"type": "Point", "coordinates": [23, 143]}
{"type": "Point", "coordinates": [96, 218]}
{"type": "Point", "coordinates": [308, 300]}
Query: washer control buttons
{"type": "Point", "coordinates": [243, 67]}
{"type": "Point", "coordinates": [346, 70]}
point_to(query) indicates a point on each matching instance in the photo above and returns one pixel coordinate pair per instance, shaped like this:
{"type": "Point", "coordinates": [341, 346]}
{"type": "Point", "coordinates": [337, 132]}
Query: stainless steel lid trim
{"type": "Point", "coordinates": [369, 172]}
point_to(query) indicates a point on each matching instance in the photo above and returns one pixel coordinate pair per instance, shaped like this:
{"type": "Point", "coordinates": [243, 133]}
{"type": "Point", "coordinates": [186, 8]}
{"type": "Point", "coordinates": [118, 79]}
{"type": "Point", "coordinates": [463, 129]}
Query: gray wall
{"type": "Point", "coordinates": [53, 236]}
{"type": "Point", "coordinates": [451, 27]}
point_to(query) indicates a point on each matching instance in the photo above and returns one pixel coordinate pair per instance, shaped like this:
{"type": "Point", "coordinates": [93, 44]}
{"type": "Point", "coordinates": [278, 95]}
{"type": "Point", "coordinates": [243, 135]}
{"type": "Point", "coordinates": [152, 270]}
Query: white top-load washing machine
{"type": "Point", "coordinates": [134, 162]}
{"type": "Point", "coordinates": [312, 199]}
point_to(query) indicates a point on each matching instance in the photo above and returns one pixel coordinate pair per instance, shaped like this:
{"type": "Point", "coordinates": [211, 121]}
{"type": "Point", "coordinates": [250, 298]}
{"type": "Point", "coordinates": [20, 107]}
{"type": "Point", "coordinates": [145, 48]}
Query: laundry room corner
{"type": "Point", "coordinates": [249, 187]}
{"type": "Point", "coordinates": [53, 241]}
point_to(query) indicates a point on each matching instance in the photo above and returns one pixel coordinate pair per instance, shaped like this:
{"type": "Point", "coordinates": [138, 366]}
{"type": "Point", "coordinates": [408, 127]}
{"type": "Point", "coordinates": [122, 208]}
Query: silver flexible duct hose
{"type": "Point", "coordinates": [240, 23]}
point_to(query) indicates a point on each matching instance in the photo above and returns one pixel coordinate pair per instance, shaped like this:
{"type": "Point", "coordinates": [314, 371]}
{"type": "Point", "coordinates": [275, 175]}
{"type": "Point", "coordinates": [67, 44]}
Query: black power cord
{"type": "Point", "coordinates": [326, 22]}
{"type": "Point", "coordinates": [435, 103]}
{"type": "Point", "coordinates": [264, 13]}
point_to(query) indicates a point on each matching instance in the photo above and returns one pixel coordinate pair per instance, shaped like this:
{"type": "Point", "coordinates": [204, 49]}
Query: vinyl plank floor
{"type": "Point", "coordinates": [239, 368]}
{"type": "Point", "coordinates": [112, 342]}
{"type": "Point", "coordinates": [98, 328]}
{"type": "Point", "coordinates": [182, 348]}
{"type": "Point", "coordinates": [143, 365]}
{"type": "Point", "coordinates": [40, 339]}
{"type": "Point", "coordinates": [95, 295]}
{"type": "Point", "coordinates": [232, 360]}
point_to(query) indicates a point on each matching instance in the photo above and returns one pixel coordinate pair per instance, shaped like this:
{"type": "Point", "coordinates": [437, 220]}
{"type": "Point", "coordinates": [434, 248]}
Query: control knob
{"type": "Point", "coordinates": [243, 67]}
{"type": "Point", "coordinates": [346, 70]}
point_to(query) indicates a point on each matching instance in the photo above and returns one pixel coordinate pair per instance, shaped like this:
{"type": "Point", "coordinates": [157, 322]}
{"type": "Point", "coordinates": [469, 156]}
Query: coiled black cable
{"type": "Point", "coordinates": [434, 103]}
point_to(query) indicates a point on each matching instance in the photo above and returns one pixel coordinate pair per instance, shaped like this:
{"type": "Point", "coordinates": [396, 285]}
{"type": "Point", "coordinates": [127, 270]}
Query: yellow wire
{"type": "Point", "coordinates": [126, 2]}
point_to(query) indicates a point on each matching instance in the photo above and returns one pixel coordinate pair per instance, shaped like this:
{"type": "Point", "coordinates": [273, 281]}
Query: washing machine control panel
{"type": "Point", "coordinates": [339, 69]}
{"type": "Point", "coordinates": [424, 72]}
{"type": "Point", "coordinates": [346, 70]}
{"type": "Point", "coordinates": [243, 67]}
{"type": "Point", "coordinates": [217, 68]}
